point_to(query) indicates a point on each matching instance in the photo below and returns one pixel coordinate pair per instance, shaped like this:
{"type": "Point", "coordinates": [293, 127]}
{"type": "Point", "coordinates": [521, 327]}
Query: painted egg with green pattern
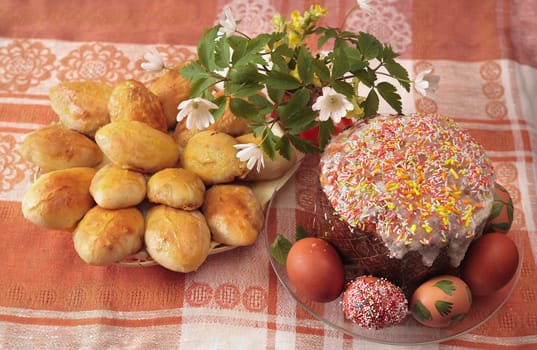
{"type": "Point", "coordinates": [501, 214]}
{"type": "Point", "coordinates": [441, 301]}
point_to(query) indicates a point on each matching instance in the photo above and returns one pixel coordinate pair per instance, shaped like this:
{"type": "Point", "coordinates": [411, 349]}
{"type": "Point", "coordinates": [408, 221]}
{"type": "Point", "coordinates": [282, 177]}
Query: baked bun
{"type": "Point", "coordinates": [181, 135]}
{"type": "Point", "coordinates": [171, 89]}
{"type": "Point", "coordinates": [211, 155]}
{"type": "Point", "coordinates": [137, 146]}
{"type": "Point", "coordinates": [233, 213]}
{"type": "Point", "coordinates": [229, 123]}
{"type": "Point", "coordinates": [55, 147]}
{"type": "Point", "coordinates": [176, 187]}
{"type": "Point", "coordinates": [81, 105]}
{"type": "Point", "coordinates": [177, 239]}
{"type": "Point", "coordinates": [131, 100]}
{"type": "Point", "coordinates": [113, 187]}
{"type": "Point", "coordinates": [106, 236]}
{"type": "Point", "coordinates": [59, 199]}
{"type": "Point", "coordinates": [273, 168]}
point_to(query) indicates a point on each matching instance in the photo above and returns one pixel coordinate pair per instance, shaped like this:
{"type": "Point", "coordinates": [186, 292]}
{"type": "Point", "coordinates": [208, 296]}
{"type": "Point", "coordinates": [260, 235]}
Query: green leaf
{"type": "Point", "coordinates": [282, 81]}
{"type": "Point", "coordinates": [322, 71]}
{"type": "Point", "coordinates": [193, 71]}
{"type": "Point", "coordinates": [280, 58]}
{"type": "Point", "coordinates": [283, 146]}
{"type": "Point", "coordinates": [245, 81]}
{"type": "Point", "coordinates": [421, 312]}
{"type": "Point", "coordinates": [275, 38]}
{"type": "Point", "coordinates": [369, 46]}
{"type": "Point", "coordinates": [217, 113]}
{"type": "Point", "coordinates": [242, 108]}
{"type": "Point", "coordinates": [370, 104]}
{"type": "Point", "coordinates": [222, 55]}
{"type": "Point", "coordinates": [261, 102]}
{"type": "Point", "coordinates": [388, 55]}
{"type": "Point", "coordinates": [244, 89]}
{"type": "Point", "coordinates": [341, 62]}
{"type": "Point", "coordinates": [344, 88]}
{"type": "Point", "coordinates": [447, 286]}
{"type": "Point", "coordinates": [305, 71]}
{"type": "Point", "coordinates": [301, 233]}
{"type": "Point", "coordinates": [327, 34]}
{"type": "Point", "coordinates": [302, 145]}
{"type": "Point", "coordinates": [279, 249]}
{"type": "Point", "coordinates": [259, 42]}
{"type": "Point", "coordinates": [296, 103]}
{"type": "Point", "coordinates": [239, 45]}
{"type": "Point", "coordinates": [275, 95]}
{"type": "Point", "coordinates": [366, 76]}
{"type": "Point", "coordinates": [399, 72]}
{"type": "Point", "coordinates": [269, 141]}
{"type": "Point", "coordinates": [443, 307]}
{"type": "Point", "coordinates": [245, 74]}
{"type": "Point", "coordinates": [206, 48]}
{"type": "Point", "coordinates": [201, 86]}
{"type": "Point", "coordinates": [326, 129]}
{"type": "Point", "coordinates": [302, 120]}
{"type": "Point", "coordinates": [390, 95]}
{"type": "Point", "coordinates": [250, 53]}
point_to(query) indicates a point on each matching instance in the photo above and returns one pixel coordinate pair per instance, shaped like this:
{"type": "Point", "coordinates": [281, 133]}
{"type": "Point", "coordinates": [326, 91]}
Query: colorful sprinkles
{"type": "Point", "coordinates": [420, 179]}
{"type": "Point", "coordinates": [374, 303]}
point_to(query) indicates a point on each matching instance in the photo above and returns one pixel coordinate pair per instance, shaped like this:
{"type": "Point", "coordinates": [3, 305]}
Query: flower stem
{"type": "Point", "coordinates": [354, 8]}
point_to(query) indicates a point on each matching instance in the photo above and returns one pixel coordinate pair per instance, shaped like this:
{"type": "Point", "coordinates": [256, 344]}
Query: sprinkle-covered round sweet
{"type": "Point", "coordinates": [374, 303]}
{"type": "Point", "coordinates": [422, 181]}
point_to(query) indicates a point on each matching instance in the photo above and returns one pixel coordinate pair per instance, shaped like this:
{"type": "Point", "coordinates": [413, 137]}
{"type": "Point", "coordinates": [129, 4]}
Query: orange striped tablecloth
{"type": "Point", "coordinates": [484, 52]}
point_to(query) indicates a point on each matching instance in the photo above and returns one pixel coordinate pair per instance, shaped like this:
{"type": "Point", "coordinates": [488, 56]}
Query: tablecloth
{"type": "Point", "coordinates": [484, 51]}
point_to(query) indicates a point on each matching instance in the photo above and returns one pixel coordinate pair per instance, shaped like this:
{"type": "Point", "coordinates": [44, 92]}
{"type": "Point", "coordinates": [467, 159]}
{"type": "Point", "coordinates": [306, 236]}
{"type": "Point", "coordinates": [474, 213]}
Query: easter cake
{"type": "Point", "coordinates": [402, 197]}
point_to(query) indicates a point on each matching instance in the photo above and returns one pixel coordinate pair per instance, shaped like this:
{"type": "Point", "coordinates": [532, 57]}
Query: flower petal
{"type": "Point", "coordinates": [154, 61]}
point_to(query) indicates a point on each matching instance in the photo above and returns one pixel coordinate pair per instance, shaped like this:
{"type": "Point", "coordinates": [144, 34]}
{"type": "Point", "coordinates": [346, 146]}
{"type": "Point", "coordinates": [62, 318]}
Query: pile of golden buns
{"type": "Point", "coordinates": [123, 176]}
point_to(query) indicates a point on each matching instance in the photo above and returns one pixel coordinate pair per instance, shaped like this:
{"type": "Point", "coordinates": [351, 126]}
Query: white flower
{"type": "Point", "coordinates": [197, 112]}
{"type": "Point", "coordinates": [425, 83]}
{"type": "Point", "coordinates": [251, 153]}
{"type": "Point", "coordinates": [229, 25]}
{"type": "Point", "coordinates": [154, 61]}
{"type": "Point", "coordinates": [332, 105]}
{"type": "Point", "coordinates": [366, 6]}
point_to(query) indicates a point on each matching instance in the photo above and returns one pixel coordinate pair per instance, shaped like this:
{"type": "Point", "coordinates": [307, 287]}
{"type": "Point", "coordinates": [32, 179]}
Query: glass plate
{"type": "Point", "coordinates": [289, 208]}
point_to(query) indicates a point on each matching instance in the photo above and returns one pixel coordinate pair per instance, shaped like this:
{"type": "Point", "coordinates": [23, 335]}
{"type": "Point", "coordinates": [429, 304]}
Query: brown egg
{"type": "Point", "coordinates": [490, 263]}
{"type": "Point", "coordinates": [441, 301]}
{"type": "Point", "coordinates": [501, 215]}
{"type": "Point", "coordinates": [315, 269]}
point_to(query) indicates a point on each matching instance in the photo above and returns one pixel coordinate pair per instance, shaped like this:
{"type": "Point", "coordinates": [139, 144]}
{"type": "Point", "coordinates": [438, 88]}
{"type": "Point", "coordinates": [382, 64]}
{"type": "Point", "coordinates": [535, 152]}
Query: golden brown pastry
{"type": "Point", "coordinates": [137, 146]}
{"type": "Point", "coordinates": [211, 155]}
{"type": "Point", "coordinates": [229, 123]}
{"type": "Point", "coordinates": [106, 236]}
{"type": "Point", "coordinates": [113, 187]}
{"type": "Point", "coordinates": [182, 135]}
{"type": "Point", "coordinates": [176, 187]}
{"type": "Point", "coordinates": [59, 199]}
{"type": "Point", "coordinates": [273, 168]}
{"type": "Point", "coordinates": [81, 105]}
{"type": "Point", "coordinates": [233, 213]}
{"type": "Point", "coordinates": [131, 100]}
{"type": "Point", "coordinates": [55, 147]}
{"type": "Point", "coordinates": [171, 89]}
{"type": "Point", "coordinates": [177, 239]}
